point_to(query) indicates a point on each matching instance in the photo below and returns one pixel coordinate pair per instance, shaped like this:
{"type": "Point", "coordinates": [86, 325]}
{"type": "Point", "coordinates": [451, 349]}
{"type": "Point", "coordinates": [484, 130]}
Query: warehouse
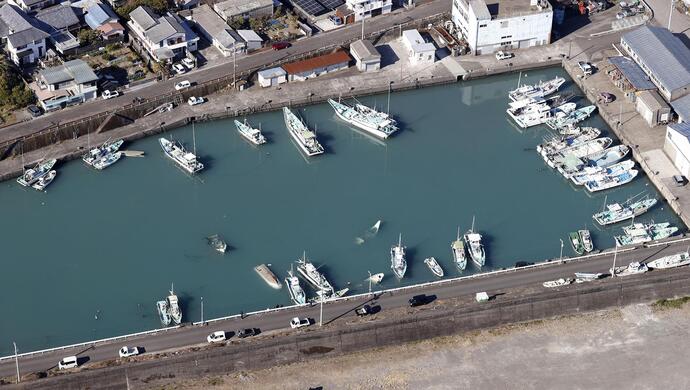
{"type": "Point", "coordinates": [677, 146]}
{"type": "Point", "coordinates": [313, 67]}
{"type": "Point", "coordinates": [366, 56]}
{"type": "Point", "coordinates": [653, 108]}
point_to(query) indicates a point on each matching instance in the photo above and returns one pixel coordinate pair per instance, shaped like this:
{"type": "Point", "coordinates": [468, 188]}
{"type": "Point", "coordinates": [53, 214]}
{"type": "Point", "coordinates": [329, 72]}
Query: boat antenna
{"type": "Point", "coordinates": [194, 137]}
{"type": "Point", "coordinates": [472, 229]}
{"type": "Point", "coordinates": [388, 108]}
{"type": "Point", "coordinates": [400, 239]}
{"type": "Point", "coordinates": [172, 285]}
{"type": "Point", "coordinates": [603, 208]}
{"type": "Point", "coordinates": [519, 78]}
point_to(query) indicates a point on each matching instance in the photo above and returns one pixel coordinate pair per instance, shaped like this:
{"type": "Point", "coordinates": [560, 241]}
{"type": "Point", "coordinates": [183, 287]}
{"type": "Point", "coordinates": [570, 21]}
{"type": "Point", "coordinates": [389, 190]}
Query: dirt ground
{"type": "Point", "coordinates": [637, 347]}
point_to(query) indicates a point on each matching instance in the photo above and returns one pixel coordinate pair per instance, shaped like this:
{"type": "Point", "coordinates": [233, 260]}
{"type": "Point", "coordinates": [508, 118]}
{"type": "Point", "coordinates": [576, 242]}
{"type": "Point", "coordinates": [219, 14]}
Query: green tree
{"type": "Point", "coordinates": [237, 22]}
{"type": "Point", "coordinates": [88, 36]}
{"type": "Point", "coordinates": [13, 91]}
{"type": "Point", "coordinates": [159, 6]}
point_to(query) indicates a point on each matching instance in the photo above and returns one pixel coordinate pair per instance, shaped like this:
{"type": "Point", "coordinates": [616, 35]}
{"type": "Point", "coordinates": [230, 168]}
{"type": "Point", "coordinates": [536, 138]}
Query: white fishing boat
{"type": "Point", "coordinates": [217, 243]}
{"type": "Point", "coordinates": [473, 241]}
{"type": "Point", "coordinates": [174, 307]}
{"type": "Point", "coordinates": [598, 173]}
{"type": "Point", "coordinates": [296, 292]}
{"type": "Point", "coordinates": [31, 175]}
{"type": "Point", "coordinates": [376, 278]}
{"type": "Point", "coordinates": [616, 212]}
{"type": "Point", "coordinates": [536, 91]}
{"type": "Point", "coordinates": [44, 181]}
{"type": "Point", "coordinates": [177, 153]}
{"type": "Point", "coordinates": [557, 144]}
{"type": "Point", "coordinates": [587, 276]}
{"type": "Point", "coordinates": [577, 152]}
{"type": "Point", "coordinates": [398, 262]}
{"type": "Point", "coordinates": [571, 119]}
{"type": "Point", "coordinates": [305, 138]}
{"type": "Point", "coordinates": [611, 181]}
{"type": "Point", "coordinates": [637, 237]}
{"type": "Point", "coordinates": [312, 275]}
{"type": "Point", "coordinates": [608, 157]}
{"type": "Point", "coordinates": [672, 261]}
{"type": "Point", "coordinates": [99, 152]}
{"type": "Point", "coordinates": [586, 239]}
{"type": "Point", "coordinates": [532, 115]}
{"type": "Point", "coordinates": [163, 312]}
{"type": "Point", "coordinates": [459, 256]}
{"type": "Point", "coordinates": [558, 282]}
{"type": "Point", "coordinates": [107, 160]}
{"type": "Point", "coordinates": [367, 119]}
{"type": "Point", "coordinates": [249, 133]}
{"type": "Point", "coordinates": [434, 267]}
{"type": "Point", "coordinates": [633, 268]}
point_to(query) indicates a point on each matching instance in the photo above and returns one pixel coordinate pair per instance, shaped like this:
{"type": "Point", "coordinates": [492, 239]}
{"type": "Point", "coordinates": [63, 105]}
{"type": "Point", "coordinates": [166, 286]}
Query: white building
{"type": "Point", "coordinates": [356, 10]}
{"type": "Point", "coordinates": [163, 38]}
{"type": "Point", "coordinates": [653, 109]}
{"type": "Point", "coordinates": [677, 146]}
{"type": "Point", "coordinates": [71, 83]}
{"type": "Point", "coordinates": [229, 9]}
{"type": "Point", "coordinates": [272, 77]}
{"type": "Point", "coordinates": [366, 56]}
{"type": "Point", "coordinates": [216, 31]}
{"type": "Point", "coordinates": [419, 51]}
{"type": "Point", "coordinates": [316, 66]}
{"type": "Point", "coordinates": [251, 39]}
{"type": "Point", "coordinates": [508, 24]}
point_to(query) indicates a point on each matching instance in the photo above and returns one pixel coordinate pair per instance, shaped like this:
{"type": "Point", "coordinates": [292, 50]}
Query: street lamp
{"type": "Point", "coordinates": [369, 282]}
{"type": "Point", "coordinates": [561, 256]}
{"type": "Point", "coordinates": [16, 361]}
{"type": "Point", "coordinates": [321, 307]}
{"type": "Point", "coordinates": [202, 310]}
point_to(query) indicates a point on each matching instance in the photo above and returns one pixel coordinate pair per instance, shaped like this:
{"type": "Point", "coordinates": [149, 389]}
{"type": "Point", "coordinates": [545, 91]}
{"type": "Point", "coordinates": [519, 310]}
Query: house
{"type": "Point", "coordinates": [230, 9]}
{"type": "Point", "coordinates": [677, 146]}
{"type": "Point", "coordinates": [356, 10]}
{"type": "Point", "coordinates": [112, 31]}
{"type": "Point", "coordinates": [316, 66]}
{"type": "Point", "coordinates": [97, 14]}
{"type": "Point", "coordinates": [505, 24]}
{"type": "Point", "coordinates": [61, 17]}
{"type": "Point", "coordinates": [272, 77]}
{"type": "Point", "coordinates": [311, 9]}
{"type": "Point", "coordinates": [366, 56]}
{"type": "Point", "coordinates": [71, 83]}
{"type": "Point", "coordinates": [419, 51]}
{"type": "Point", "coordinates": [33, 5]}
{"type": "Point", "coordinates": [216, 31]}
{"type": "Point", "coordinates": [26, 42]}
{"type": "Point", "coordinates": [251, 39]}
{"type": "Point", "coordinates": [163, 38]}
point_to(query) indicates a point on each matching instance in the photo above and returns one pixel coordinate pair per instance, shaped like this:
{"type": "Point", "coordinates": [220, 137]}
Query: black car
{"type": "Point", "coordinates": [247, 332]}
{"type": "Point", "coordinates": [363, 311]}
{"type": "Point", "coordinates": [34, 110]}
{"type": "Point", "coordinates": [419, 300]}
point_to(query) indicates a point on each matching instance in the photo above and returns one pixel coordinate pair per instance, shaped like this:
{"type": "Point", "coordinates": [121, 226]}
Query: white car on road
{"type": "Point", "coordinates": [182, 85]}
{"type": "Point", "coordinates": [503, 55]}
{"type": "Point", "coordinates": [179, 68]}
{"type": "Point", "coordinates": [194, 100]}
{"type": "Point", "coordinates": [127, 351]}
{"type": "Point", "coordinates": [298, 323]}
{"type": "Point", "coordinates": [68, 362]}
{"type": "Point", "coordinates": [216, 337]}
{"type": "Point", "coordinates": [108, 94]}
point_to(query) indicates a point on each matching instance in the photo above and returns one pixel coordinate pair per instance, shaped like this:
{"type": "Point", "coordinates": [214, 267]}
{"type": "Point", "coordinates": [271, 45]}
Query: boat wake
{"type": "Point", "coordinates": [369, 233]}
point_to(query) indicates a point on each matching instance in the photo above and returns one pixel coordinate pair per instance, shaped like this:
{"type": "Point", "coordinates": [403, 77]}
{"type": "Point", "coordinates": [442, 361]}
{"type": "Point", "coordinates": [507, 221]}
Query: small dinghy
{"type": "Point", "coordinates": [433, 266]}
{"type": "Point", "coordinates": [217, 243]}
{"type": "Point", "coordinates": [45, 180]}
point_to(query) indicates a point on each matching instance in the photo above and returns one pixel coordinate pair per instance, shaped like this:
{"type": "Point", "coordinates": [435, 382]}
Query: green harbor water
{"type": "Point", "coordinates": [89, 258]}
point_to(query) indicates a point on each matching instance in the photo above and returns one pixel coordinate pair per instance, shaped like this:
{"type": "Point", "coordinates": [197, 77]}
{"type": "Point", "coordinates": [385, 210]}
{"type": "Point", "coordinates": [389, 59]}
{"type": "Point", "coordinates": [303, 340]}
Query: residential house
{"type": "Point", "coordinates": [71, 83]}
{"type": "Point", "coordinates": [97, 14]}
{"type": "Point", "coordinates": [215, 30]}
{"type": "Point", "coordinates": [62, 22]}
{"type": "Point", "coordinates": [230, 9]}
{"type": "Point", "coordinates": [163, 38]}
{"type": "Point", "coordinates": [26, 42]}
{"type": "Point", "coordinates": [356, 10]}
{"type": "Point", "coordinates": [33, 5]}
{"type": "Point", "coordinates": [112, 31]}
{"type": "Point", "coordinates": [316, 66]}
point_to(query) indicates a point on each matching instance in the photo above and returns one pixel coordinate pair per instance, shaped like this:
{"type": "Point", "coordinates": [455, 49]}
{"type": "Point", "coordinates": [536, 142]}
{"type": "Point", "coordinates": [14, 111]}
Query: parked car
{"type": "Point", "coordinates": [216, 337]}
{"type": "Point", "coordinates": [419, 300]}
{"type": "Point", "coordinates": [363, 311]}
{"type": "Point", "coordinates": [108, 94]}
{"type": "Point", "coordinates": [182, 85]}
{"type": "Point", "coordinates": [189, 63]}
{"type": "Point", "coordinates": [296, 322]}
{"type": "Point", "coordinates": [68, 362]}
{"type": "Point", "coordinates": [34, 110]}
{"type": "Point", "coordinates": [503, 55]}
{"type": "Point", "coordinates": [194, 100]}
{"type": "Point", "coordinates": [585, 67]}
{"type": "Point", "coordinates": [280, 45]}
{"type": "Point", "coordinates": [680, 180]}
{"type": "Point", "coordinates": [247, 332]}
{"type": "Point", "coordinates": [127, 351]}
{"type": "Point", "coordinates": [179, 68]}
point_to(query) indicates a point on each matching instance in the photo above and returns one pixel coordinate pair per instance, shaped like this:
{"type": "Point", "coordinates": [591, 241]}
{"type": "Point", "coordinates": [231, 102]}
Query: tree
{"type": "Point", "coordinates": [88, 36]}
{"type": "Point", "coordinates": [237, 23]}
{"type": "Point", "coordinates": [13, 91]}
{"type": "Point", "coordinates": [158, 6]}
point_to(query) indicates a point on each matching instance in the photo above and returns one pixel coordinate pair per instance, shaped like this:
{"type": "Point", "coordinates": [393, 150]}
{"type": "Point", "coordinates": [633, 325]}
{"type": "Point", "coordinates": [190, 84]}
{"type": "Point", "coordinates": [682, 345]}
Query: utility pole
{"type": "Point", "coordinates": [16, 361]}
{"type": "Point", "coordinates": [613, 269]}
{"type": "Point", "coordinates": [234, 66]}
{"type": "Point", "coordinates": [561, 256]}
{"type": "Point", "coordinates": [321, 307]}
{"type": "Point", "coordinates": [670, 14]}
{"type": "Point", "coordinates": [369, 282]}
{"type": "Point", "coordinates": [202, 310]}
{"type": "Point", "coordinates": [362, 28]}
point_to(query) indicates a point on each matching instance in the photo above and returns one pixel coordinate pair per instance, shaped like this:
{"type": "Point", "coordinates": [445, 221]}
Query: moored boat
{"type": "Point", "coordinates": [459, 256]}
{"type": "Point", "coordinates": [571, 119]}
{"type": "Point", "coordinates": [163, 312]}
{"type": "Point", "coordinates": [249, 133]}
{"type": "Point", "coordinates": [315, 278]}
{"type": "Point", "coordinates": [107, 160]}
{"type": "Point", "coordinates": [99, 152]}
{"type": "Point", "coordinates": [31, 175]}
{"type": "Point", "coordinates": [268, 276]}
{"type": "Point", "coordinates": [174, 307]}
{"type": "Point", "coordinates": [367, 119]}
{"type": "Point", "coordinates": [596, 173]}
{"type": "Point", "coordinates": [611, 181]}
{"type": "Point", "coordinates": [434, 267]}
{"type": "Point", "coordinates": [576, 243]}
{"type": "Point", "coordinates": [398, 261]}
{"type": "Point", "coordinates": [473, 240]}
{"type": "Point", "coordinates": [672, 261]}
{"type": "Point", "coordinates": [616, 212]}
{"type": "Point", "coordinates": [294, 289]}
{"type": "Point", "coordinates": [44, 180]}
{"type": "Point", "coordinates": [305, 138]}
{"type": "Point", "coordinates": [586, 240]}
{"type": "Point", "coordinates": [557, 144]}
{"type": "Point", "coordinates": [536, 91]}
{"type": "Point", "coordinates": [217, 243]}
{"type": "Point", "coordinates": [177, 153]}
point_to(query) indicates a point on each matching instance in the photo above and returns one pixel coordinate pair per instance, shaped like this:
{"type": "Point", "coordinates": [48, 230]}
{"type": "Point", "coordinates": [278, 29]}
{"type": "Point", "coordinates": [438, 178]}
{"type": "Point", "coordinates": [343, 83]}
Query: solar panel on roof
{"type": "Point", "coordinates": [310, 6]}
{"type": "Point", "coordinates": [332, 4]}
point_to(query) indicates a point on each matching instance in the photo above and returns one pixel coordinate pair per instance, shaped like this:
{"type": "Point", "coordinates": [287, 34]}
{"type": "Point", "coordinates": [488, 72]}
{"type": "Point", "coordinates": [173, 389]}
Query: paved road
{"type": "Point", "coordinates": [248, 62]}
{"type": "Point", "coordinates": [195, 335]}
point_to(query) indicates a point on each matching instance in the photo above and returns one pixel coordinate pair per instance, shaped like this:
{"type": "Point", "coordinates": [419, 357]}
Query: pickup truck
{"type": "Point", "coordinates": [363, 311]}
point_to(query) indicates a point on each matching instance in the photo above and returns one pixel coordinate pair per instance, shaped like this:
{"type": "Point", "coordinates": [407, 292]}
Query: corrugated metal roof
{"type": "Point", "coordinates": [682, 128]}
{"type": "Point", "coordinates": [632, 72]}
{"type": "Point", "coordinates": [663, 53]}
{"type": "Point", "coordinates": [652, 99]}
{"type": "Point", "coordinates": [271, 73]}
{"type": "Point", "coordinates": [682, 107]}
{"type": "Point", "coordinates": [249, 36]}
{"type": "Point", "coordinates": [337, 57]}
{"type": "Point", "coordinates": [364, 50]}
{"type": "Point", "coordinates": [76, 70]}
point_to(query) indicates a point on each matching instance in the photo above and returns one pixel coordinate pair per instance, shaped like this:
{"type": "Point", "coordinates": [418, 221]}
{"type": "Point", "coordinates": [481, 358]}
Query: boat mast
{"type": "Point", "coordinates": [519, 78]}
{"type": "Point", "coordinates": [458, 238]}
{"type": "Point", "coordinates": [388, 108]}
{"type": "Point", "coordinates": [400, 240]}
{"type": "Point", "coordinates": [472, 229]}
{"type": "Point", "coordinates": [194, 138]}
{"type": "Point", "coordinates": [603, 208]}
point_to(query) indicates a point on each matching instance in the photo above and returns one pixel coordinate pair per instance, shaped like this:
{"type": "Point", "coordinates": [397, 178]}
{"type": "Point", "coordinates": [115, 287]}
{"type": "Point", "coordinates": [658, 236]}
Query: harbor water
{"type": "Point", "coordinates": [90, 257]}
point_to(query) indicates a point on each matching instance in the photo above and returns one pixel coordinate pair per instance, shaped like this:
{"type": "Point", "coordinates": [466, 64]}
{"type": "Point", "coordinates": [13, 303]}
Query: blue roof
{"type": "Point", "coordinates": [666, 56]}
{"type": "Point", "coordinates": [682, 107]}
{"type": "Point", "coordinates": [633, 73]}
{"type": "Point", "coordinates": [97, 15]}
{"type": "Point", "coordinates": [682, 128]}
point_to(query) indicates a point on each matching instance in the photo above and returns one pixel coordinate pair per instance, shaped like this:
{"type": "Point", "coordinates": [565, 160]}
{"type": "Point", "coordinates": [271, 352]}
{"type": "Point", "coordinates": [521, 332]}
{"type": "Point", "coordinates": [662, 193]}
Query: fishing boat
{"type": "Point", "coordinates": [608, 157]}
{"type": "Point", "coordinates": [174, 307]}
{"type": "Point", "coordinates": [518, 106]}
{"type": "Point", "coordinates": [305, 138]}
{"type": "Point", "coordinates": [473, 241]}
{"type": "Point", "coordinates": [459, 256]}
{"type": "Point", "coordinates": [31, 175]}
{"type": "Point", "coordinates": [538, 113]}
{"type": "Point", "coordinates": [107, 160]}
{"type": "Point", "coordinates": [376, 278]}
{"type": "Point", "coordinates": [217, 243]}
{"type": "Point", "coordinates": [587, 276]}
{"type": "Point", "coordinates": [633, 268]}
{"type": "Point", "coordinates": [434, 266]}
{"type": "Point", "coordinates": [249, 133]}
{"type": "Point", "coordinates": [163, 312]}
{"type": "Point", "coordinates": [558, 282]}
{"type": "Point", "coordinates": [672, 261]}
{"type": "Point", "coordinates": [638, 237]}
{"type": "Point", "coordinates": [398, 262]}
{"type": "Point", "coordinates": [616, 212]}
{"type": "Point", "coordinates": [367, 119]}
{"type": "Point", "coordinates": [176, 152]}
{"type": "Point", "coordinates": [537, 91]}
{"type": "Point", "coordinates": [99, 152]}
{"type": "Point", "coordinates": [611, 181]}
{"type": "Point", "coordinates": [374, 229]}
{"type": "Point", "coordinates": [586, 240]}
{"type": "Point", "coordinates": [578, 152]}
{"type": "Point", "coordinates": [296, 292]}
{"type": "Point", "coordinates": [596, 173]}
{"type": "Point", "coordinates": [268, 276]}
{"type": "Point", "coordinates": [630, 229]}
{"type": "Point", "coordinates": [315, 278]}
{"type": "Point", "coordinates": [571, 119]}
{"type": "Point", "coordinates": [44, 180]}
{"type": "Point", "coordinates": [576, 243]}
{"type": "Point", "coordinates": [557, 144]}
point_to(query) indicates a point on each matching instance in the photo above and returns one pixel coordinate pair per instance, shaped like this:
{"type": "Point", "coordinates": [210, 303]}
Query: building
{"type": "Point", "coordinates": [61, 17]}
{"type": "Point", "coordinates": [112, 31]}
{"type": "Point", "coordinates": [366, 56]}
{"type": "Point", "coordinates": [71, 83]}
{"type": "Point", "coordinates": [677, 146]}
{"type": "Point", "coordinates": [215, 30]}
{"type": "Point", "coordinates": [26, 42]}
{"type": "Point", "coordinates": [97, 14]}
{"type": "Point", "coordinates": [33, 5]}
{"type": "Point", "coordinates": [663, 57]}
{"type": "Point", "coordinates": [629, 77]}
{"type": "Point", "coordinates": [419, 50]}
{"type": "Point", "coordinates": [507, 24]}
{"type": "Point", "coordinates": [162, 38]}
{"type": "Point", "coordinates": [230, 9]}
{"type": "Point", "coordinates": [251, 39]}
{"type": "Point", "coordinates": [356, 10]}
{"type": "Point", "coordinates": [272, 77]}
{"type": "Point", "coordinates": [653, 108]}
{"type": "Point", "coordinates": [311, 9]}
{"type": "Point", "coordinates": [316, 66]}
{"type": "Point", "coordinates": [682, 107]}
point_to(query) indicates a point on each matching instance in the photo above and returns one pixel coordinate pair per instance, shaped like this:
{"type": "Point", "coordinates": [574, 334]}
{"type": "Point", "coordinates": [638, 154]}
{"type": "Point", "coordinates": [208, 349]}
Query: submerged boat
{"type": "Point", "coordinates": [163, 312]}
{"type": "Point", "coordinates": [473, 241]}
{"type": "Point", "coordinates": [176, 152]}
{"type": "Point", "coordinates": [316, 279]}
{"type": "Point", "coordinates": [616, 212]}
{"type": "Point", "coordinates": [536, 91]}
{"type": "Point", "coordinates": [31, 175]}
{"type": "Point", "coordinates": [44, 181]}
{"type": "Point", "coordinates": [268, 276]}
{"type": "Point", "coordinates": [571, 119]}
{"type": "Point", "coordinates": [611, 181]}
{"type": "Point", "coordinates": [305, 138]}
{"type": "Point", "coordinates": [107, 160]}
{"type": "Point", "coordinates": [296, 292]}
{"type": "Point", "coordinates": [217, 243]}
{"type": "Point", "coordinates": [458, 248]}
{"type": "Point", "coordinates": [672, 261]}
{"type": "Point", "coordinates": [376, 278]}
{"type": "Point", "coordinates": [558, 282]}
{"type": "Point", "coordinates": [398, 262]}
{"type": "Point", "coordinates": [99, 152]}
{"type": "Point", "coordinates": [174, 307]}
{"type": "Point", "coordinates": [576, 243]}
{"type": "Point", "coordinates": [631, 269]}
{"type": "Point", "coordinates": [368, 119]}
{"type": "Point", "coordinates": [249, 133]}
{"type": "Point", "coordinates": [434, 266]}
{"type": "Point", "coordinates": [586, 240]}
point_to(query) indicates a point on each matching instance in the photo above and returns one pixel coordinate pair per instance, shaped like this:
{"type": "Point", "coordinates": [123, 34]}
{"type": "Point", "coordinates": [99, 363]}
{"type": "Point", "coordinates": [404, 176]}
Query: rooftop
{"type": "Point", "coordinates": [334, 58]}
{"type": "Point", "coordinates": [249, 35]}
{"type": "Point", "coordinates": [273, 72]}
{"type": "Point", "coordinates": [76, 70]}
{"type": "Point", "coordinates": [214, 25]}
{"type": "Point", "coordinates": [364, 50]}
{"type": "Point", "coordinates": [158, 28]}
{"type": "Point", "coordinates": [99, 14]}
{"type": "Point", "coordinates": [416, 42]}
{"type": "Point", "coordinates": [682, 128]}
{"type": "Point", "coordinates": [682, 107]}
{"type": "Point", "coordinates": [632, 72]}
{"type": "Point", "coordinates": [652, 99]}
{"type": "Point", "coordinates": [59, 16]}
{"type": "Point", "coordinates": [499, 9]}
{"type": "Point", "coordinates": [238, 7]}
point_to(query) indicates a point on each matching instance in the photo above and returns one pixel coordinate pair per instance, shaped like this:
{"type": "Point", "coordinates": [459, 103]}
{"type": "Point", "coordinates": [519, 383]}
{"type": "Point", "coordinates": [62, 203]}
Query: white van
{"type": "Point", "coordinates": [68, 362]}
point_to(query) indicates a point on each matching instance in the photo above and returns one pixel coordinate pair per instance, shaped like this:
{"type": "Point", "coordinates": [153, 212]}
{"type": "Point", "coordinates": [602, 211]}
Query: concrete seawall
{"type": "Point", "coordinates": [439, 319]}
